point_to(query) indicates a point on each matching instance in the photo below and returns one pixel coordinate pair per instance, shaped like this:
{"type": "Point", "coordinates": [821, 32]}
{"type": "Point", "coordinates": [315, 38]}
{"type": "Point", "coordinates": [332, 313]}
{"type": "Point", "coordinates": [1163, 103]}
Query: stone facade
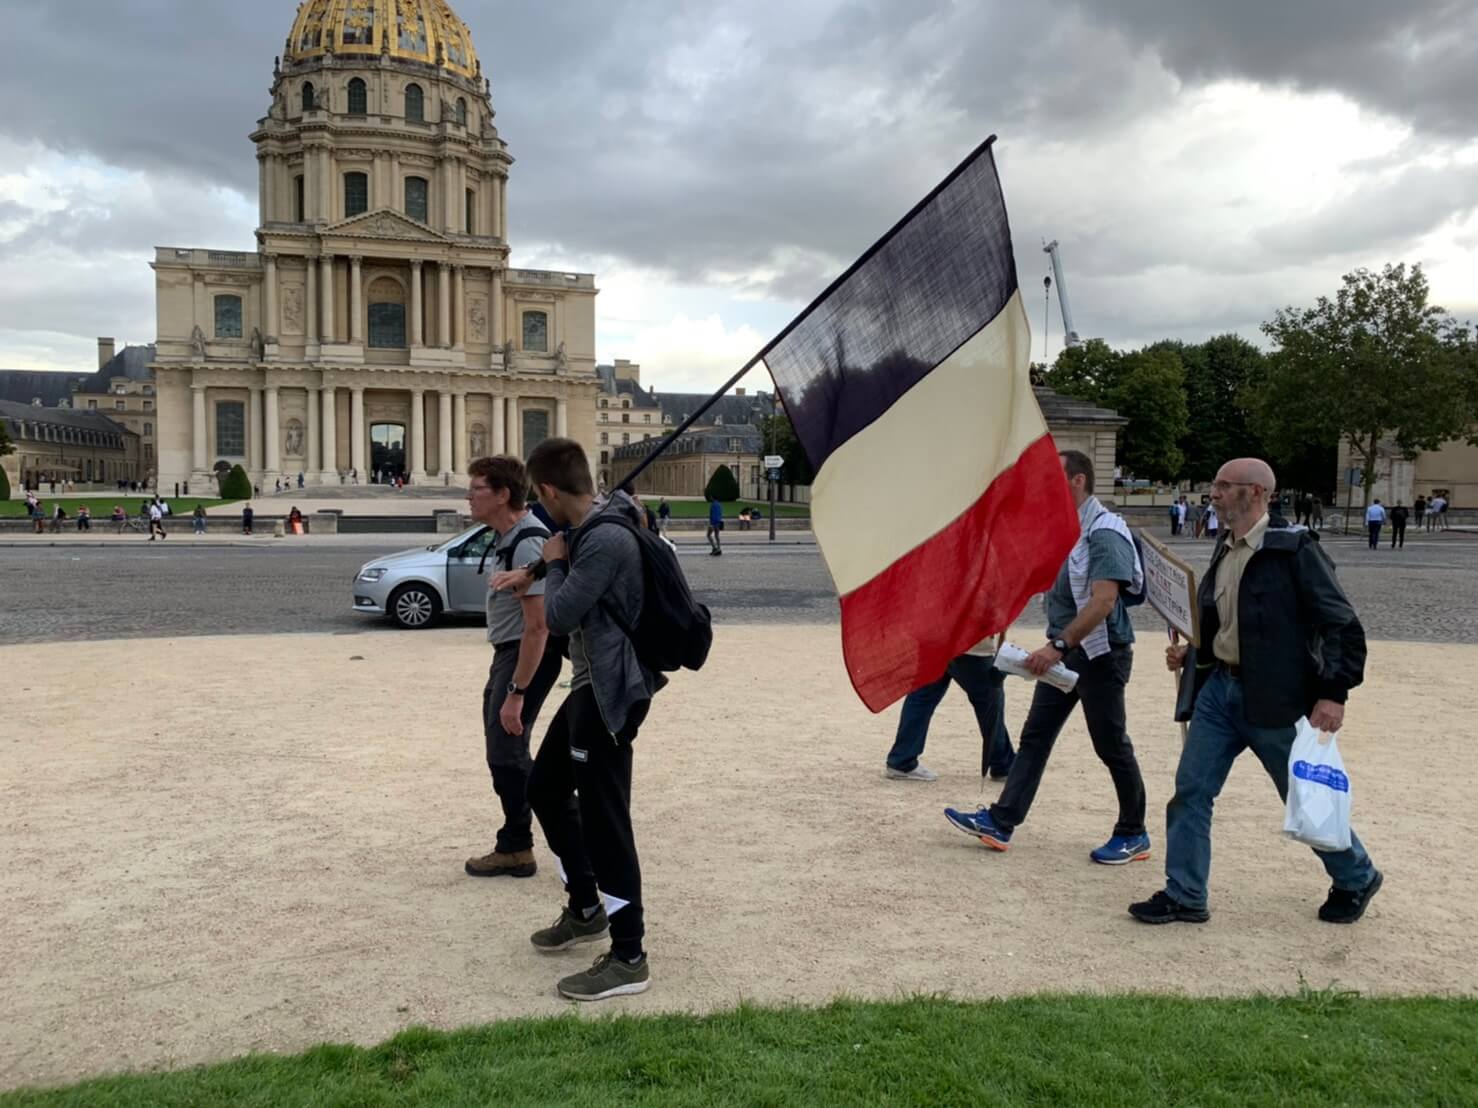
{"type": "Point", "coordinates": [54, 445]}
{"type": "Point", "coordinates": [1451, 470]}
{"type": "Point", "coordinates": [624, 413]}
{"type": "Point", "coordinates": [378, 328]}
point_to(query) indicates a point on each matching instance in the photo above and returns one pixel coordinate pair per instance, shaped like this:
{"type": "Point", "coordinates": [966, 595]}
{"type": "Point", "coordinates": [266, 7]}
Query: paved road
{"type": "Point", "coordinates": [1428, 592]}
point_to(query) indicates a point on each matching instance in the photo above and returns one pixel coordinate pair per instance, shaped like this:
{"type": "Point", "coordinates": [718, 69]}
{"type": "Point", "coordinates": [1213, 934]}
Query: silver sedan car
{"type": "Point", "coordinates": [414, 587]}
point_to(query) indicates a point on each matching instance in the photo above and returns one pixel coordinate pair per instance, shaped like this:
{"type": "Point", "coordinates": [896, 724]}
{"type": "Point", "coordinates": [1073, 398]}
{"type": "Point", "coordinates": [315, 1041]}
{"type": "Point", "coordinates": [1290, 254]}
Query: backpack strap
{"type": "Point", "coordinates": [505, 558]}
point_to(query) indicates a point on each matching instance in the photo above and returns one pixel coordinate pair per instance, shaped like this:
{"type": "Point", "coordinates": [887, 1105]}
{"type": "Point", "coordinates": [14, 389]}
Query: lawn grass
{"type": "Point", "coordinates": [698, 509]}
{"type": "Point", "coordinates": [1318, 1048]}
{"type": "Point", "coordinates": [102, 507]}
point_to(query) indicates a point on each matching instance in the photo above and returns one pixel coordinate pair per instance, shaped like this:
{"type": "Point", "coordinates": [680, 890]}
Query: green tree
{"type": "Point", "coordinates": [778, 437]}
{"type": "Point", "coordinates": [237, 485]}
{"type": "Point", "coordinates": [1089, 371]}
{"type": "Point", "coordinates": [1150, 394]}
{"type": "Point", "coordinates": [1377, 366]}
{"type": "Point", "coordinates": [722, 486]}
{"type": "Point", "coordinates": [1219, 376]}
{"type": "Point", "coordinates": [5, 448]}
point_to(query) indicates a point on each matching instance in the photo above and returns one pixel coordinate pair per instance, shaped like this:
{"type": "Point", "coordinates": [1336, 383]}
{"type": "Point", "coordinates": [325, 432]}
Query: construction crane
{"type": "Point", "coordinates": [1072, 338]}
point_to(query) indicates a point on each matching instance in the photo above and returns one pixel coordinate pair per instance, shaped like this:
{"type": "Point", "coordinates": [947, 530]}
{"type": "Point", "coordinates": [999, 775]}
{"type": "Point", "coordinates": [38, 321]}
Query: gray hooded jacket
{"type": "Point", "coordinates": [607, 570]}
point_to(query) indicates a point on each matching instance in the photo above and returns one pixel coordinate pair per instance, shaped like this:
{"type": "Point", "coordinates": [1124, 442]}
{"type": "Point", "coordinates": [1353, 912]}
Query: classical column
{"type": "Point", "coordinates": [444, 304]}
{"type": "Point", "coordinates": [311, 307]}
{"type": "Point", "coordinates": [255, 452]}
{"type": "Point", "coordinates": [330, 471]}
{"type": "Point", "coordinates": [515, 428]}
{"type": "Point", "coordinates": [500, 441]}
{"type": "Point", "coordinates": [356, 299]}
{"type": "Point", "coordinates": [459, 433]}
{"type": "Point", "coordinates": [418, 435]}
{"type": "Point", "coordinates": [327, 263]}
{"type": "Point", "coordinates": [271, 308]}
{"type": "Point", "coordinates": [202, 458]}
{"type": "Point", "coordinates": [417, 300]}
{"type": "Point", "coordinates": [356, 430]}
{"type": "Point", "coordinates": [459, 307]}
{"type": "Point", "coordinates": [444, 434]}
{"type": "Point", "coordinates": [272, 439]}
{"type": "Point", "coordinates": [495, 309]}
{"type": "Point", "coordinates": [562, 418]}
{"type": "Point", "coordinates": [313, 461]}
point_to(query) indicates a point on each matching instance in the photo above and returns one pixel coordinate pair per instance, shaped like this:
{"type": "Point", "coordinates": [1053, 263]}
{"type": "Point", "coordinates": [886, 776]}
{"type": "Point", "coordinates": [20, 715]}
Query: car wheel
{"type": "Point", "coordinates": [414, 607]}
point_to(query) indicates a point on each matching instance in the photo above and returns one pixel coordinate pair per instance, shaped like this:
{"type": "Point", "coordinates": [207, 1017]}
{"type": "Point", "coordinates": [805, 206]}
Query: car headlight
{"type": "Point", "coordinates": [371, 574]}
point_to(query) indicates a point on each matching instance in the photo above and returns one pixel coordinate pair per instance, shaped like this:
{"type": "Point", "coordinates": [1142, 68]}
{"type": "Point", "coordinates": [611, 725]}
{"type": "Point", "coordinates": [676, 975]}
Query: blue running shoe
{"type": "Point", "coordinates": [1122, 849]}
{"type": "Point", "coordinates": [981, 826]}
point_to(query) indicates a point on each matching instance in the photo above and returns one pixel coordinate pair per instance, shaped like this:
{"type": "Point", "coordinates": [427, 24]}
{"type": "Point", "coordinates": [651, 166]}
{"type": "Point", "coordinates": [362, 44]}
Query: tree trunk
{"type": "Point", "coordinates": [1372, 460]}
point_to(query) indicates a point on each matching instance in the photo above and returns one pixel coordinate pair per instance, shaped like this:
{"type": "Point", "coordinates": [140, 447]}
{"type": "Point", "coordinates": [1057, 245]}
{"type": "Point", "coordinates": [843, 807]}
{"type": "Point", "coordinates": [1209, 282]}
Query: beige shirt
{"type": "Point", "coordinates": [1226, 645]}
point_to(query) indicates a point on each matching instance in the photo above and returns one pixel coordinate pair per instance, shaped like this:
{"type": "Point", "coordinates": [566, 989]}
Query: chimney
{"type": "Point", "coordinates": [738, 392]}
{"type": "Point", "coordinates": [105, 352]}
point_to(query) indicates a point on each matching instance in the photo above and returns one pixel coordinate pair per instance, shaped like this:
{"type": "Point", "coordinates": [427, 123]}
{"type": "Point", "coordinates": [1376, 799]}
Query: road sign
{"type": "Point", "coordinates": [774, 461]}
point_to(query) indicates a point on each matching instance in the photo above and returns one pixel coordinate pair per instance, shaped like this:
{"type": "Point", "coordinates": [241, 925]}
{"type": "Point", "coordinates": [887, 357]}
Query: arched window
{"type": "Point", "coordinates": [461, 112]}
{"type": "Point", "coordinates": [536, 332]}
{"type": "Point", "coordinates": [356, 194]}
{"type": "Point", "coordinates": [358, 97]}
{"type": "Point", "coordinates": [386, 314]}
{"type": "Point", "coordinates": [416, 191]}
{"type": "Point", "coordinates": [415, 104]}
{"type": "Point", "coordinates": [228, 317]}
{"type": "Point", "coordinates": [307, 96]}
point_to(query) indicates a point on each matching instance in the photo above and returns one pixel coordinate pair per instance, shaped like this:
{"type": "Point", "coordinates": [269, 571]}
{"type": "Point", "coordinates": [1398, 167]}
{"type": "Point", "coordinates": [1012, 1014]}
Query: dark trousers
{"type": "Point", "coordinates": [581, 792]}
{"type": "Point", "coordinates": [1398, 535]}
{"type": "Point", "coordinates": [1100, 688]}
{"type": "Point", "coordinates": [1374, 535]}
{"type": "Point", "coordinates": [508, 755]}
{"type": "Point", "coordinates": [982, 683]}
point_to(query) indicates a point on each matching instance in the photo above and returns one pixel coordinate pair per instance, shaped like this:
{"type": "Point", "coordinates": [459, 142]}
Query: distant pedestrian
{"type": "Point", "coordinates": [1375, 518]}
{"type": "Point", "coordinates": [295, 521]}
{"type": "Point", "coordinates": [57, 518]}
{"type": "Point", "coordinates": [714, 534]}
{"type": "Point", "coordinates": [119, 518]}
{"type": "Point", "coordinates": [1213, 524]}
{"type": "Point", "coordinates": [84, 518]}
{"type": "Point", "coordinates": [664, 516]}
{"type": "Point", "coordinates": [277, 485]}
{"type": "Point", "coordinates": [1419, 506]}
{"type": "Point", "coordinates": [1434, 511]}
{"type": "Point", "coordinates": [1398, 526]}
{"type": "Point", "coordinates": [38, 517]}
{"type": "Point", "coordinates": [300, 478]}
{"type": "Point", "coordinates": [1174, 518]}
{"type": "Point", "coordinates": [156, 521]}
{"type": "Point", "coordinates": [246, 518]}
{"type": "Point", "coordinates": [1444, 504]}
{"type": "Point", "coordinates": [1318, 514]}
{"type": "Point", "coordinates": [199, 519]}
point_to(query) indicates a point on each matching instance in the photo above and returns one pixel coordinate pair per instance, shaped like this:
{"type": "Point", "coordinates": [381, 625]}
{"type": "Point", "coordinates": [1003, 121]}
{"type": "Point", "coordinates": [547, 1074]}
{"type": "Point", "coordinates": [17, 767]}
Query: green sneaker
{"type": "Point", "coordinates": [570, 930]}
{"type": "Point", "coordinates": [608, 977]}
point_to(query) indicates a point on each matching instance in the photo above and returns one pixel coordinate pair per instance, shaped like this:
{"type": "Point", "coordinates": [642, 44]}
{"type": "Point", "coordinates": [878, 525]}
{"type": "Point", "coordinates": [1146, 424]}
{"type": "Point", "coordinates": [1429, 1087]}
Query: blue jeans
{"type": "Point", "coordinates": [1219, 732]}
{"type": "Point", "coordinates": [982, 684]}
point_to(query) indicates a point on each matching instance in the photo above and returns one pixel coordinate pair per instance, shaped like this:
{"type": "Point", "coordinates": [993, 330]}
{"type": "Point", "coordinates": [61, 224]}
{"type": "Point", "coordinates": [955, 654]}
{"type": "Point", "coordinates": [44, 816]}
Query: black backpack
{"type": "Point", "coordinates": [673, 631]}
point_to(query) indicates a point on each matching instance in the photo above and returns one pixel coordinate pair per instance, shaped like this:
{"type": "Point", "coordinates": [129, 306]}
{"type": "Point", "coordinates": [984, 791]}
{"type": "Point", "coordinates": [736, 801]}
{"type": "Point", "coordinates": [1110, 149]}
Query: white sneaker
{"type": "Point", "coordinates": [919, 772]}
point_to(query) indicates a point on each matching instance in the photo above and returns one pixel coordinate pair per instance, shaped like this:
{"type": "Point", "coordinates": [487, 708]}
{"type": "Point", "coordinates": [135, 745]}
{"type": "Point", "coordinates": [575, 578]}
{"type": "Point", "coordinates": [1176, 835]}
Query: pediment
{"type": "Point", "coordinates": [384, 224]}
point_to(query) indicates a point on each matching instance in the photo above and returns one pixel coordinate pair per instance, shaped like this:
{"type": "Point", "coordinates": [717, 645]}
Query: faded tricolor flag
{"type": "Point", "coordinates": [939, 502]}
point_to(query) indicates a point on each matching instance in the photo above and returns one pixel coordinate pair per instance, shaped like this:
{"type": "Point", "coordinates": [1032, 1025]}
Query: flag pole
{"type": "Point", "coordinates": [662, 446]}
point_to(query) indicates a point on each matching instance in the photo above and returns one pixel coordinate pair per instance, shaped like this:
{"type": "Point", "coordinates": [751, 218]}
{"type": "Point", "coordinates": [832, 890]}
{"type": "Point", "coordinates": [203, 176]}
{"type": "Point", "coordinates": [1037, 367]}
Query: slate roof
{"type": "Point", "coordinates": [734, 410]}
{"type": "Point", "coordinates": [82, 419]}
{"type": "Point", "coordinates": [131, 362]}
{"type": "Point", "coordinates": [714, 441]}
{"type": "Point", "coordinates": [21, 386]}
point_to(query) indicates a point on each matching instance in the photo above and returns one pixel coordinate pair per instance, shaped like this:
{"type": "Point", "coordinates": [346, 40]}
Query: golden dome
{"type": "Point", "coordinates": [418, 30]}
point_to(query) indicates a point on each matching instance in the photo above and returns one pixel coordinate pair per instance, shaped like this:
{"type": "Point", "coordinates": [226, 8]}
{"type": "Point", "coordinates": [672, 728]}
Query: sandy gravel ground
{"type": "Point", "coordinates": [234, 863]}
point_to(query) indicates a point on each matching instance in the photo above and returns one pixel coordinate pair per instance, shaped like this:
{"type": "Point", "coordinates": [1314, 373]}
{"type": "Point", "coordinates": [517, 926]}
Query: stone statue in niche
{"type": "Point", "coordinates": [508, 352]}
{"type": "Point", "coordinates": [258, 346]}
{"type": "Point", "coordinates": [477, 319]}
{"type": "Point", "coordinates": [292, 309]}
{"type": "Point", "coordinates": [292, 441]}
{"type": "Point", "coordinates": [561, 359]}
{"type": "Point", "coordinates": [197, 342]}
{"type": "Point", "coordinates": [479, 440]}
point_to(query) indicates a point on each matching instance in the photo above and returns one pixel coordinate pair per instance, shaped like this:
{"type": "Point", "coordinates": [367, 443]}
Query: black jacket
{"type": "Point", "coordinates": [1300, 640]}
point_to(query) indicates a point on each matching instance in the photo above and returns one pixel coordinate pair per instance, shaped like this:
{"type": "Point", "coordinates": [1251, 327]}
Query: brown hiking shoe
{"type": "Point", "coordinates": [519, 864]}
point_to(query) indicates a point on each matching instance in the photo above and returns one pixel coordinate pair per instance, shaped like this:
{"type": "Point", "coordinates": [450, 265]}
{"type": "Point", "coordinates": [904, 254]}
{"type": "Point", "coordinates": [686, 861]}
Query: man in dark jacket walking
{"type": "Point", "coordinates": [1279, 642]}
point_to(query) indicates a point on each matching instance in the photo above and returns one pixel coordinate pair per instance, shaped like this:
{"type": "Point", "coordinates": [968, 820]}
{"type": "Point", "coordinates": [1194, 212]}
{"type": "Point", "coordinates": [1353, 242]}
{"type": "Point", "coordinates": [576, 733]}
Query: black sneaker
{"type": "Point", "coordinates": [1162, 908]}
{"type": "Point", "coordinates": [571, 930]}
{"type": "Point", "coordinates": [1348, 905]}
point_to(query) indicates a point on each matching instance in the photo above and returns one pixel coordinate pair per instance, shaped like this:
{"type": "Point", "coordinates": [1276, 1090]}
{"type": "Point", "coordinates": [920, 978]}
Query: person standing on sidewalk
{"type": "Point", "coordinates": [156, 520]}
{"type": "Point", "coordinates": [581, 786]}
{"type": "Point", "coordinates": [976, 673]}
{"type": "Point", "coordinates": [199, 517]}
{"type": "Point", "coordinates": [1375, 517]}
{"type": "Point", "coordinates": [1088, 630]}
{"type": "Point", "coordinates": [664, 516]}
{"type": "Point", "coordinates": [1419, 506]}
{"type": "Point", "coordinates": [525, 665]}
{"type": "Point", "coordinates": [715, 527]}
{"type": "Point", "coordinates": [1280, 643]}
{"type": "Point", "coordinates": [1399, 516]}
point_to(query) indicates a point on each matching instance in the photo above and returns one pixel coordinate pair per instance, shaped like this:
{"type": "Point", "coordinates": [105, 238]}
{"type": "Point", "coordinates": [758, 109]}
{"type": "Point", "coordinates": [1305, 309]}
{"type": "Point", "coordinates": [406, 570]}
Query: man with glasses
{"type": "Point", "coordinates": [1280, 642]}
{"type": "Point", "coordinates": [525, 664]}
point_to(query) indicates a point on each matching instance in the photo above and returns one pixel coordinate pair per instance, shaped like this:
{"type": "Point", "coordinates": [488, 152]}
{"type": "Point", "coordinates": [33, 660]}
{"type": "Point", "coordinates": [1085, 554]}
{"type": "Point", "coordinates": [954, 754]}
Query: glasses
{"type": "Point", "coordinates": [479, 488]}
{"type": "Point", "coordinates": [1223, 486]}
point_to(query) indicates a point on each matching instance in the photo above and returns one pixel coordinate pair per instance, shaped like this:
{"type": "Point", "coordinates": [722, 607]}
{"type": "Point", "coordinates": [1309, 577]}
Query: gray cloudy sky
{"type": "Point", "coordinates": [715, 163]}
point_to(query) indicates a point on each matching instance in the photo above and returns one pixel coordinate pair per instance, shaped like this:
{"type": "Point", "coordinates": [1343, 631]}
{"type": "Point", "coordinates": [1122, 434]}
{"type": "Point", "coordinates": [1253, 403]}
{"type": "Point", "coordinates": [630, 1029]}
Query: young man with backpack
{"type": "Point", "coordinates": [1088, 630]}
{"type": "Point", "coordinates": [617, 591]}
{"type": "Point", "coordinates": [526, 661]}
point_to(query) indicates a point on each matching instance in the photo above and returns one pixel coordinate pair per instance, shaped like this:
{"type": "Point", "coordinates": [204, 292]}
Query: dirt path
{"type": "Point", "coordinates": [229, 873]}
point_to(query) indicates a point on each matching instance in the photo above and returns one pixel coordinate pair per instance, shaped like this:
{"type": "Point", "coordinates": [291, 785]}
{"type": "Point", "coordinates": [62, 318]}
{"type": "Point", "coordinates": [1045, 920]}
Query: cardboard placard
{"type": "Point", "coordinates": [1170, 588]}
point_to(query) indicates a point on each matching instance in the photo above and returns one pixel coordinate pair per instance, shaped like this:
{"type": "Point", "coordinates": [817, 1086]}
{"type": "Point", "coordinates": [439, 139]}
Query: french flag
{"type": "Point", "coordinates": [939, 502]}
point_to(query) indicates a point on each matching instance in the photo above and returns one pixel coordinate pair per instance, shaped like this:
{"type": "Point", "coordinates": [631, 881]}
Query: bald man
{"type": "Point", "coordinates": [1279, 642]}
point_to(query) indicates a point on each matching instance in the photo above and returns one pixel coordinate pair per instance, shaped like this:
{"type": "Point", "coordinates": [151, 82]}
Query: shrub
{"type": "Point", "coordinates": [237, 485]}
{"type": "Point", "coordinates": [722, 486]}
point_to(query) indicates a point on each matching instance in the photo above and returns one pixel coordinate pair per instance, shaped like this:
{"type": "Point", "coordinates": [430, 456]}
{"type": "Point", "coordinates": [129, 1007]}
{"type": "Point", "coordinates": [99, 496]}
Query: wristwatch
{"type": "Point", "coordinates": [514, 690]}
{"type": "Point", "coordinates": [1060, 645]}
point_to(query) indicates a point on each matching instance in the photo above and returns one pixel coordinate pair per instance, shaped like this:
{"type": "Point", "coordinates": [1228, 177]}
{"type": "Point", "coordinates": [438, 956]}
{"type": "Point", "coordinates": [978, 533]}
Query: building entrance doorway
{"type": "Point", "coordinates": [387, 452]}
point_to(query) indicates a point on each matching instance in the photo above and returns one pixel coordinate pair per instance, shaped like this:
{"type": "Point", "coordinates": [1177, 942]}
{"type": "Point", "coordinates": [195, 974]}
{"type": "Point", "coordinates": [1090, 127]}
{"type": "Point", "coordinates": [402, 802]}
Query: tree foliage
{"type": "Point", "coordinates": [1219, 376]}
{"type": "Point", "coordinates": [1377, 365]}
{"type": "Point", "coordinates": [779, 437]}
{"type": "Point", "coordinates": [6, 447]}
{"type": "Point", "coordinates": [722, 486]}
{"type": "Point", "coordinates": [236, 485]}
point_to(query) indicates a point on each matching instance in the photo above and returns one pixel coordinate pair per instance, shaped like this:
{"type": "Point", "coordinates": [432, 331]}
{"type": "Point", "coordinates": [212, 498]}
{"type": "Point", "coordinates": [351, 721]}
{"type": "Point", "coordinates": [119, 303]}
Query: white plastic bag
{"type": "Point", "coordinates": [1318, 811]}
